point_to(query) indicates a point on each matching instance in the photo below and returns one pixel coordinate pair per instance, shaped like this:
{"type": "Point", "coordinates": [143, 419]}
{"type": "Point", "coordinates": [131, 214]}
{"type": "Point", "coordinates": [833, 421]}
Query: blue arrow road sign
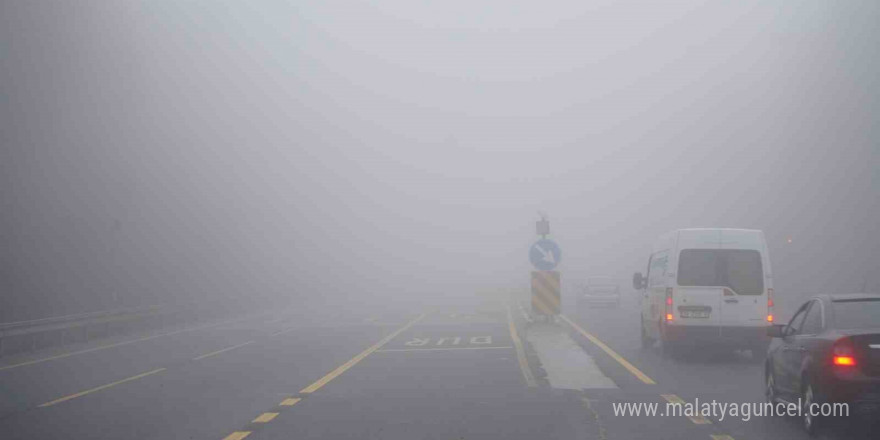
{"type": "Point", "coordinates": [545, 254]}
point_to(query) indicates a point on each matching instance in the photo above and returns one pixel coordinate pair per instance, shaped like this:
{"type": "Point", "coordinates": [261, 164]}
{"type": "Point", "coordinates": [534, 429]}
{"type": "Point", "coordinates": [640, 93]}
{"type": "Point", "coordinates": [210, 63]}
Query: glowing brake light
{"type": "Point", "coordinates": [843, 353]}
{"type": "Point", "coordinates": [844, 360]}
{"type": "Point", "coordinates": [769, 305]}
{"type": "Point", "coordinates": [669, 303]}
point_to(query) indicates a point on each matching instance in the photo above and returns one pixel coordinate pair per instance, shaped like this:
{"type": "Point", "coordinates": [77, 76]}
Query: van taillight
{"type": "Point", "coordinates": [769, 305]}
{"type": "Point", "coordinates": [669, 303]}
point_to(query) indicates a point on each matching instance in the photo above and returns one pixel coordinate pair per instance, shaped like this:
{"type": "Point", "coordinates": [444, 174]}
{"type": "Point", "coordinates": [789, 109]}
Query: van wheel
{"type": "Point", "coordinates": [647, 342]}
{"type": "Point", "coordinates": [759, 352]}
{"type": "Point", "coordinates": [668, 348]}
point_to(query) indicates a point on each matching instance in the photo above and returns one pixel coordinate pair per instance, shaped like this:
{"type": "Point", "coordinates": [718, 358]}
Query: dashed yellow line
{"type": "Point", "coordinates": [626, 364]}
{"type": "Point", "coordinates": [102, 387]}
{"type": "Point", "coordinates": [520, 352]}
{"type": "Point", "coordinates": [346, 366]}
{"type": "Point", "coordinates": [698, 420]}
{"type": "Point", "coordinates": [265, 417]}
{"type": "Point", "coordinates": [223, 350]}
{"type": "Point", "coordinates": [290, 401]}
{"type": "Point", "coordinates": [721, 437]}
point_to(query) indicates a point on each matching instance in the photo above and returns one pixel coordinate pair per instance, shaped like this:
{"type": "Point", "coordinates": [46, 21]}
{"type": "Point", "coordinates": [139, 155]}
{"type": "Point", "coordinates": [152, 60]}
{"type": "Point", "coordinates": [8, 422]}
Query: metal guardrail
{"type": "Point", "coordinates": [62, 324]}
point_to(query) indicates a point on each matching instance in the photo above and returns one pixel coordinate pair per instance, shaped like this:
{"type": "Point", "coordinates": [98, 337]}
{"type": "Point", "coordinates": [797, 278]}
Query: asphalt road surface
{"type": "Point", "coordinates": [458, 372]}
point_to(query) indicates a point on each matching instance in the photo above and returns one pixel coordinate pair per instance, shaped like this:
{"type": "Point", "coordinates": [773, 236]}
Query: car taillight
{"type": "Point", "coordinates": [769, 305]}
{"type": "Point", "coordinates": [843, 353]}
{"type": "Point", "coordinates": [844, 360]}
{"type": "Point", "coordinates": [669, 303]}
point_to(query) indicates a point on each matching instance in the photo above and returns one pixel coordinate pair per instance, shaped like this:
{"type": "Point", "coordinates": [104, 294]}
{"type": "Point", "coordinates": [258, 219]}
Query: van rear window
{"type": "Point", "coordinates": [738, 269]}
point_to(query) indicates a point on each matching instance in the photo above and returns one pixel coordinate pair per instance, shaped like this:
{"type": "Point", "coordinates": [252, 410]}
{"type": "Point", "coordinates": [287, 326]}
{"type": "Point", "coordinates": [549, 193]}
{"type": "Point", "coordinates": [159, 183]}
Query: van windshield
{"type": "Point", "coordinates": [738, 269]}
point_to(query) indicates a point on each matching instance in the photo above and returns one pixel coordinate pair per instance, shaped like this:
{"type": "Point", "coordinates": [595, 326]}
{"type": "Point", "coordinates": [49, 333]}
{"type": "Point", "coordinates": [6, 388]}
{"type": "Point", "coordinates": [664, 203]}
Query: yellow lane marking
{"type": "Point", "coordinates": [721, 437]}
{"type": "Point", "coordinates": [344, 367]}
{"type": "Point", "coordinates": [102, 387]}
{"type": "Point", "coordinates": [265, 418]}
{"type": "Point", "coordinates": [237, 435]}
{"type": "Point", "coordinates": [387, 350]}
{"type": "Point", "coordinates": [224, 350]}
{"type": "Point", "coordinates": [118, 344]}
{"type": "Point", "coordinates": [630, 367]}
{"type": "Point", "coordinates": [698, 420]}
{"type": "Point", "coordinates": [520, 352]}
{"type": "Point", "coordinates": [290, 401]}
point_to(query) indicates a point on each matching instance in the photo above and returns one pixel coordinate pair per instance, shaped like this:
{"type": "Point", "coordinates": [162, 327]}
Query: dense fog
{"type": "Point", "coordinates": [341, 153]}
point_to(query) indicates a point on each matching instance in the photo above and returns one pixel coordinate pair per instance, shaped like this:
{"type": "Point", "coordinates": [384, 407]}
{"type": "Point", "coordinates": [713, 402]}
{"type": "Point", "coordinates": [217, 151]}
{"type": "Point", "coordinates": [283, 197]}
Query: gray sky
{"type": "Point", "coordinates": [402, 149]}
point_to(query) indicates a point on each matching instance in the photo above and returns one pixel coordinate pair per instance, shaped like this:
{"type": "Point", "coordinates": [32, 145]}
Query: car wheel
{"type": "Point", "coordinates": [647, 342]}
{"type": "Point", "coordinates": [769, 385]}
{"type": "Point", "coordinates": [812, 423]}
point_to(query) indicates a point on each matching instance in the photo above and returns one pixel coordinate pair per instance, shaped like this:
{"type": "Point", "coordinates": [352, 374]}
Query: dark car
{"type": "Point", "coordinates": [600, 291]}
{"type": "Point", "coordinates": [828, 353]}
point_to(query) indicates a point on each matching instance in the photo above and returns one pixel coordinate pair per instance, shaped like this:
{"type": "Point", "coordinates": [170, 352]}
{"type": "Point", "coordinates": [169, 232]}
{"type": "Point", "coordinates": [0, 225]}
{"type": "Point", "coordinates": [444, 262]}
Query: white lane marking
{"type": "Point", "coordinates": [118, 344]}
{"type": "Point", "coordinates": [224, 350]}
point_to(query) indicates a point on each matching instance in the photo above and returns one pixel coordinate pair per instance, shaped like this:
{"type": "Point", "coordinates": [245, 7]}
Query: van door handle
{"type": "Point", "coordinates": [731, 300]}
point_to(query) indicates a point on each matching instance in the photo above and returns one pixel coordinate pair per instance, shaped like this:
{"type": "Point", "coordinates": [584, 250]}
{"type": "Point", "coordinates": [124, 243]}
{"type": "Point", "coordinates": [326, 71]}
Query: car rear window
{"type": "Point", "coordinates": [601, 281]}
{"type": "Point", "coordinates": [856, 313]}
{"type": "Point", "coordinates": [738, 269]}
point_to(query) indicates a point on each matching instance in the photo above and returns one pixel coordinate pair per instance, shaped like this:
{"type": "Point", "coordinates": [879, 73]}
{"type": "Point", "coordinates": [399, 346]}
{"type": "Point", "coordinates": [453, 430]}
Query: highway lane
{"type": "Point", "coordinates": [722, 376]}
{"type": "Point", "coordinates": [453, 374]}
{"type": "Point", "coordinates": [434, 372]}
{"type": "Point", "coordinates": [186, 384]}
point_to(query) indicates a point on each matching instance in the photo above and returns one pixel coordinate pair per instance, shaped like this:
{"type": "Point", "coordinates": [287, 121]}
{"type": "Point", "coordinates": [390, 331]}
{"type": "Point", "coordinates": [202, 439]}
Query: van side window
{"type": "Point", "coordinates": [659, 263]}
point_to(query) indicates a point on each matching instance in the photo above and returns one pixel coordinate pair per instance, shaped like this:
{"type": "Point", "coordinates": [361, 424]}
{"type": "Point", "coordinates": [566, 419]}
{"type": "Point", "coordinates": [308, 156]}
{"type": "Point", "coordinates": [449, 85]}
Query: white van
{"type": "Point", "coordinates": [707, 286]}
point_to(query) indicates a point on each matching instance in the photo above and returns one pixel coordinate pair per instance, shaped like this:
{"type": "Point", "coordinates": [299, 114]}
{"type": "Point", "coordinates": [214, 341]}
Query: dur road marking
{"type": "Point", "coordinates": [520, 352]}
{"type": "Point", "coordinates": [223, 350]}
{"type": "Point", "coordinates": [697, 419]}
{"type": "Point", "coordinates": [721, 437]}
{"type": "Point", "coordinates": [391, 350]}
{"type": "Point", "coordinates": [267, 417]}
{"type": "Point", "coordinates": [475, 340]}
{"type": "Point", "coordinates": [353, 361]}
{"type": "Point", "coordinates": [102, 387]}
{"type": "Point", "coordinates": [626, 364]}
